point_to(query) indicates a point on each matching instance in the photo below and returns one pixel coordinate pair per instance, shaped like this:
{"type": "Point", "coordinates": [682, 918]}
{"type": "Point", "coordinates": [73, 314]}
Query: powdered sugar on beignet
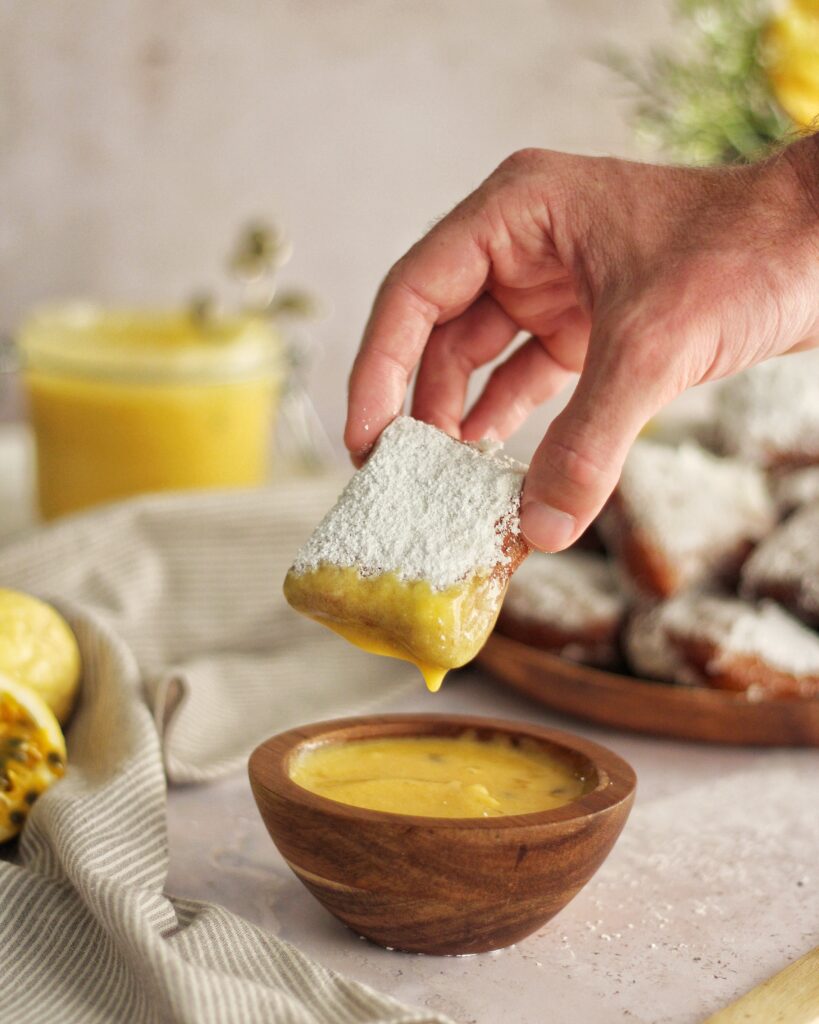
{"type": "Point", "coordinates": [424, 507]}
{"type": "Point", "coordinates": [770, 413]}
{"type": "Point", "coordinates": [797, 488]}
{"type": "Point", "coordinates": [571, 590]}
{"type": "Point", "coordinates": [737, 627]}
{"type": "Point", "coordinates": [785, 566]}
{"type": "Point", "coordinates": [649, 651]}
{"type": "Point", "coordinates": [731, 644]}
{"type": "Point", "coordinates": [568, 603]}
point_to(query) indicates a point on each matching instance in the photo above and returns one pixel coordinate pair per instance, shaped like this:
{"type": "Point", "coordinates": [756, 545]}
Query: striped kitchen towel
{"type": "Point", "coordinates": [190, 658]}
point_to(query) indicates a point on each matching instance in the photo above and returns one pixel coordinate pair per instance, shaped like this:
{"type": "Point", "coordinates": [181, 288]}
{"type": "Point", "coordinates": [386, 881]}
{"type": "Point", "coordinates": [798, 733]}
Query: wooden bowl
{"type": "Point", "coordinates": [441, 885]}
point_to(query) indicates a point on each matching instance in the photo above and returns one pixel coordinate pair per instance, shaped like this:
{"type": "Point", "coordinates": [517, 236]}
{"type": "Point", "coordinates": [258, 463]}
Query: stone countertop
{"type": "Point", "coordinates": [712, 887]}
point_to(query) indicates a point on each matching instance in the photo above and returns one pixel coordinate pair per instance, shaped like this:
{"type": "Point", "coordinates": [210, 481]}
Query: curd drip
{"type": "Point", "coordinates": [436, 630]}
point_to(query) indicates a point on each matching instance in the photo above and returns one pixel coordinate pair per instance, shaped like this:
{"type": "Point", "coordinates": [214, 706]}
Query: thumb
{"type": "Point", "coordinates": [578, 463]}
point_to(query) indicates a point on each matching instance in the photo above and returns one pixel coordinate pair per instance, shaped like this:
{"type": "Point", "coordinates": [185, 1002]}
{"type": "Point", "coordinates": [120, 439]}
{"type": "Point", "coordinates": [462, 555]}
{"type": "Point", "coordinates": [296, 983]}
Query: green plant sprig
{"type": "Point", "coordinates": [707, 100]}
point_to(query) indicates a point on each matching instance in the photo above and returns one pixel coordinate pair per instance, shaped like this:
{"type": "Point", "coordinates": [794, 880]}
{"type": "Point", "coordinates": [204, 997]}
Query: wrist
{"type": "Point", "coordinates": [802, 162]}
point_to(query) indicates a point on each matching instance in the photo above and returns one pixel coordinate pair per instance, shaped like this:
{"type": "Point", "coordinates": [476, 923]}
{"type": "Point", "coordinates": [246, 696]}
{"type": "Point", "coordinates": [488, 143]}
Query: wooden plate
{"type": "Point", "coordinates": [684, 712]}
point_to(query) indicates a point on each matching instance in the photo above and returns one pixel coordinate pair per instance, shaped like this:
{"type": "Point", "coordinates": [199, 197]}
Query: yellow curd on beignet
{"type": "Point", "coordinates": [439, 776]}
{"type": "Point", "coordinates": [435, 630]}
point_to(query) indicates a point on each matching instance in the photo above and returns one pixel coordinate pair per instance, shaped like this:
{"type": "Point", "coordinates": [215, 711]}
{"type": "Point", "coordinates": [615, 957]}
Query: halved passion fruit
{"type": "Point", "coordinates": [32, 753]}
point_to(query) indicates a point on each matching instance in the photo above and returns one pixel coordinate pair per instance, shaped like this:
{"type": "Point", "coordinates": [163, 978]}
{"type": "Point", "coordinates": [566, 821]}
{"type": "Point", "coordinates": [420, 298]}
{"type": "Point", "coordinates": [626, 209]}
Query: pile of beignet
{"type": "Point", "coordinates": [703, 568]}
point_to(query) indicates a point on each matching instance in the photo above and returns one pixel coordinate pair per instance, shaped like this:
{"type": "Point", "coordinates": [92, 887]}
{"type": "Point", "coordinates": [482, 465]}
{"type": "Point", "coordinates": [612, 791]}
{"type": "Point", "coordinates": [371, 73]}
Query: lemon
{"type": "Point", "coordinates": [38, 648]}
{"type": "Point", "coordinates": [791, 54]}
{"type": "Point", "coordinates": [32, 753]}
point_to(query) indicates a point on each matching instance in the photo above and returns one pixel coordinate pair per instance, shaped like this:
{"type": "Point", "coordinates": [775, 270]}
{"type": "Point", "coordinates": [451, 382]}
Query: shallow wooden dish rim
{"type": "Point", "coordinates": [616, 701]}
{"type": "Point", "coordinates": [644, 686]}
{"type": "Point", "coordinates": [616, 779]}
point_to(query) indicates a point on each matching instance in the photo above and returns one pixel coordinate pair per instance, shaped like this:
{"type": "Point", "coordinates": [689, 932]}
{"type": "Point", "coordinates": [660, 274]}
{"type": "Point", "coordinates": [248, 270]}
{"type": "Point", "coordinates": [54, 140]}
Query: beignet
{"type": "Point", "coordinates": [728, 644]}
{"type": "Point", "coordinates": [568, 604]}
{"type": "Point", "coordinates": [680, 516]}
{"type": "Point", "coordinates": [797, 488]}
{"type": "Point", "coordinates": [785, 566]}
{"type": "Point", "coordinates": [769, 414]}
{"type": "Point", "coordinates": [414, 558]}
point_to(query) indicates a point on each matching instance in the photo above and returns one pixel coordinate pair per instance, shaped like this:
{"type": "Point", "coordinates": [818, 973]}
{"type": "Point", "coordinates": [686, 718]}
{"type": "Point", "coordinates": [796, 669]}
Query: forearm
{"type": "Point", "coordinates": [802, 158]}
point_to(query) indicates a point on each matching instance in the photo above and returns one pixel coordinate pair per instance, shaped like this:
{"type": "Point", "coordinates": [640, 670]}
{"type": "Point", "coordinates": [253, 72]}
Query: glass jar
{"type": "Point", "coordinates": [126, 402]}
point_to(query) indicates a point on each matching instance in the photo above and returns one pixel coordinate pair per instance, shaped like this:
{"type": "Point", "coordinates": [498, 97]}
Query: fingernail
{"type": "Point", "coordinates": [360, 455]}
{"type": "Point", "coordinates": [545, 527]}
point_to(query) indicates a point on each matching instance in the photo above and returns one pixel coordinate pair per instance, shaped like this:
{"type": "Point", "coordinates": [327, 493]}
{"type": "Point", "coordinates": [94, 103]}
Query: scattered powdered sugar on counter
{"type": "Point", "coordinates": [569, 590]}
{"type": "Point", "coordinates": [690, 908]}
{"type": "Point", "coordinates": [691, 501]}
{"type": "Point", "coordinates": [424, 506]}
{"type": "Point", "coordinates": [666, 932]}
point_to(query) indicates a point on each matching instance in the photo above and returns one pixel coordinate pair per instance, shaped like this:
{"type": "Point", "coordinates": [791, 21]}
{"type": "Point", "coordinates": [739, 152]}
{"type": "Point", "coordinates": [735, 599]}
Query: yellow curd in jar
{"type": "Point", "coordinates": [124, 403]}
{"type": "Point", "coordinates": [440, 776]}
{"type": "Point", "coordinates": [436, 630]}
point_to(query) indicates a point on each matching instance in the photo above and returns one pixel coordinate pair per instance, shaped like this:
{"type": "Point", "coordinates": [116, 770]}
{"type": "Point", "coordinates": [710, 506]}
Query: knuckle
{"type": "Point", "coordinates": [396, 283]}
{"type": "Point", "coordinates": [444, 353]}
{"type": "Point", "coordinates": [502, 391]}
{"type": "Point", "coordinates": [522, 161]}
{"type": "Point", "coordinates": [500, 378]}
{"type": "Point", "coordinates": [395, 273]}
{"type": "Point", "coordinates": [392, 280]}
{"type": "Point", "coordinates": [578, 464]}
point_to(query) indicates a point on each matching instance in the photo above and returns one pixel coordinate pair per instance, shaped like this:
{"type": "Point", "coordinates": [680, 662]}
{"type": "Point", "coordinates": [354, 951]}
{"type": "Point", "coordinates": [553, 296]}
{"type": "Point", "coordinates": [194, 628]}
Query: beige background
{"type": "Point", "coordinates": [135, 137]}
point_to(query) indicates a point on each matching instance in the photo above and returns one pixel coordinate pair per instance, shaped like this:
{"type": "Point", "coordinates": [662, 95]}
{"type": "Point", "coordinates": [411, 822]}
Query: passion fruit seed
{"type": "Point", "coordinates": [32, 753]}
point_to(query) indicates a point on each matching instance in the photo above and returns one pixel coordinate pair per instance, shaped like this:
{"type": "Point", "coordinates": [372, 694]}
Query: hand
{"type": "Point", "coordinates": [645, 280]}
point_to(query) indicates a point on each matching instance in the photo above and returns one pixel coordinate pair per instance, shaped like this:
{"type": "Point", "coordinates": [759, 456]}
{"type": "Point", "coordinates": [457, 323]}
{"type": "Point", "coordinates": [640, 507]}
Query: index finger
{"type": "Point", "coordinates": [436, 280]}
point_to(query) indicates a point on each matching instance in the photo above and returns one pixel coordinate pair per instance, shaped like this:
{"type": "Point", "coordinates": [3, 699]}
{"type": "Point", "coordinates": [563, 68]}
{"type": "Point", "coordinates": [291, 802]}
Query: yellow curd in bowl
{"type": "Point", "coordinates": [127, 402]}
{"type": "Point", "coordinates": [440, 776]}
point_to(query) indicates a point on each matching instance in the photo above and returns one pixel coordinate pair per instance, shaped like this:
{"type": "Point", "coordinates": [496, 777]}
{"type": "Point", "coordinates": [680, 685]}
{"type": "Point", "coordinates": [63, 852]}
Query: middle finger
{"type": "Point", "coordinates": [454, 351]}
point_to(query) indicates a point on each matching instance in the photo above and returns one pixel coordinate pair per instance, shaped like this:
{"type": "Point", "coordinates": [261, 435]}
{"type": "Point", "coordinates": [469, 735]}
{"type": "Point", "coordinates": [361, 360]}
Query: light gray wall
{"type": "Point", "coordinates": [137, 135]}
